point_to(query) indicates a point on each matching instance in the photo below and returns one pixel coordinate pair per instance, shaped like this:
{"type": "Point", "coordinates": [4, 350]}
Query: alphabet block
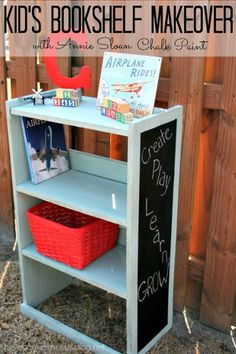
{"type": "Point", "coordinates": [119, 116]}
{"type": "Point", "coordinates": [64, 102]}
{"type": "Point", "coordinates": [59, 93]}
{"type": "Point", "coordinates": [56, 101]}
{"type": "Point", "coordinates": [116, 104]}
{"type": "Point", "coordinates": [67, 93]}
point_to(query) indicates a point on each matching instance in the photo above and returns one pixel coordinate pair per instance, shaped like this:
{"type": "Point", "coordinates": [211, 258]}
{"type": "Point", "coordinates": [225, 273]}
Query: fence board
{"type": "Point", "coordinates": [6, 207]}
{"type": "Point", "coordinates": [212, 91]}
{"type": "Point", "coordinates": [25, 76]}
{"type": "Point", "coordinates": [220, 275]}
{"type": "Point", "coordinates": [204, 183]}
{"type": "Point", "coordinates": [187, 78]}
{"type": "Point", "coordinates": [203, 189]}
{"type": "Point", "coordinates": [88, 138]}
{"type": "Point", "coordinates": [91, 141]}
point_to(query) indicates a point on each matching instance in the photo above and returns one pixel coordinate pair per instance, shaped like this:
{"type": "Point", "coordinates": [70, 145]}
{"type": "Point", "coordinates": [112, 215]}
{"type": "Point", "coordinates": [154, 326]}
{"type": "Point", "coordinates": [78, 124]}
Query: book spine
{"type": "Point", "coordinates": [32, 172]}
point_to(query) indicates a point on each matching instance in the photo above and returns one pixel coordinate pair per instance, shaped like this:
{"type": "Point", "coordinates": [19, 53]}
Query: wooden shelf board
{"type": "Point", "coordinates": [84, 116]}
{"type": "Point", "coordinates": [89, 194]}
{"type": "Point", "coordinates": [107, 272]}
{"type": "Point", "coordinates": [67, 331]}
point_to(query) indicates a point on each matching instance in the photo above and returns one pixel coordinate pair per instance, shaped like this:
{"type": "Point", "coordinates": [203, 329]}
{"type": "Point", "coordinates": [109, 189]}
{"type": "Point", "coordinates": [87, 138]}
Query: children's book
{"type": "Point", "coordinates": [132, 78]}
{"type": "Point", "coordinates": [45, 148]}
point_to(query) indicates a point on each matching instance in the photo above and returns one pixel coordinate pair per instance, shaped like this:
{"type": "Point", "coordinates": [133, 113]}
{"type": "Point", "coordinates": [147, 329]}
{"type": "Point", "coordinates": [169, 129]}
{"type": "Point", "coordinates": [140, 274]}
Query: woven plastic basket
{"type": "Point", "coordinates": [68, 236]}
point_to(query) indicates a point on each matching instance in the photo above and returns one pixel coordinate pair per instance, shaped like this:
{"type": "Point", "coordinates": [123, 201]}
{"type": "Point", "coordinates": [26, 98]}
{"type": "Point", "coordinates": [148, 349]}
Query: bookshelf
{"type": "Point", "coordinates": [111, 190]}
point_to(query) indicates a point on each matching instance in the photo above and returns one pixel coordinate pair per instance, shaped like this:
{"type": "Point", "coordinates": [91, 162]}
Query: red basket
{"type": "Point", "coordinates": [68, 236]}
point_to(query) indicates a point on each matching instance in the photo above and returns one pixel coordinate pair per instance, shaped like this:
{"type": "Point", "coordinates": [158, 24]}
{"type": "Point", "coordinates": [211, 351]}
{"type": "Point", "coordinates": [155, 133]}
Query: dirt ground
{"type": "Point", "coordinates": [102, 317]}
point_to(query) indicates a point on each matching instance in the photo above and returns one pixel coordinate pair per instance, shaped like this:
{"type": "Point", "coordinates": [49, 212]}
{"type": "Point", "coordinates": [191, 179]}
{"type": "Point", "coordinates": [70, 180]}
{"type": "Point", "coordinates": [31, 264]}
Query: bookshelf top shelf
{"type": "Point", "coordinates": [84, 116]}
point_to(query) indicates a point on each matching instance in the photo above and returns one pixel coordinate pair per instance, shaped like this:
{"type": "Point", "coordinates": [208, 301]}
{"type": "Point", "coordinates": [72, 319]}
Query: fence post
{"type": "Point", "coordinates": [89, 140]}
{"type": "Point", "coordinates": [187, 79]}
{"type": "Point", "coordinates": [219, 287]}
{"type": "Point", "coordinates": [204, 188]}
{"type": "Point", "coordinates": [6, 207]}
{"type": "Point", "coordinates": [25, 76]}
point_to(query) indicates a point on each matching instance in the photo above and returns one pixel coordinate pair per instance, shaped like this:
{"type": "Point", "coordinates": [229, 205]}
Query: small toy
{"type": "Point", "coordinates": [38, 98]}
{"type": "Point", "coordinates": [67, 98]}
{"type": "Point", "coordinates": [116, 109]}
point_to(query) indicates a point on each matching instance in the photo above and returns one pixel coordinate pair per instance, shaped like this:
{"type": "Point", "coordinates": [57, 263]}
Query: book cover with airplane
{"type": "Point", "coordinates": [132, 78]}
{"type": "Point", "coordinates": [46, 149]}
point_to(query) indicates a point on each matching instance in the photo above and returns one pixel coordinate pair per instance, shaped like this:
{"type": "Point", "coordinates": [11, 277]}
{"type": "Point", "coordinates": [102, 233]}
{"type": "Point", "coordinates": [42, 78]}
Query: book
{"type": "Point", "coordinates": [132, 78]}
{"type": "Point", "coordinates": [46, 149]}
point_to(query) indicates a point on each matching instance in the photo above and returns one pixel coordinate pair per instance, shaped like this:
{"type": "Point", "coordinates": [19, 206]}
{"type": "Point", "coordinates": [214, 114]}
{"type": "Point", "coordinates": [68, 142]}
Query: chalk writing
{"type": "Point", "coordinates": [153, 226]}
{"type": "Point", "coordinates": [162, 179]}
{"type": "Point", "coordinates": [156, 146]}
{"type": "Point", "coordinates": [152, 284]}
{"type": "Point", "coordinates": [157, 171]}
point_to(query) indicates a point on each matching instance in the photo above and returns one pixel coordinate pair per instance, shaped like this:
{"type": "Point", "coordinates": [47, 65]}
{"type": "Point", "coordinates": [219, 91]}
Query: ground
{"type": "Point", "coordinates": [102, 316]}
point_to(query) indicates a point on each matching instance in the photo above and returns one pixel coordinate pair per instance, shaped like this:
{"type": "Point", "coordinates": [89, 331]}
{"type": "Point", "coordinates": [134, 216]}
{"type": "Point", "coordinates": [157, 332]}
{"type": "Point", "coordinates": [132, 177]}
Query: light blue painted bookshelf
{"type": "Point", "coordinates": [96, 186]}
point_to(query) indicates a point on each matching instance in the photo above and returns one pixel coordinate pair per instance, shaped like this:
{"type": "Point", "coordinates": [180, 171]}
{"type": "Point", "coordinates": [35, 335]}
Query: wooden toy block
{"type": "Point", "coordinates": [110, 113]}
{"type": "Point", "coordinates": [59, 93]}
{"type": "Point", "coordinates": [116, 109]}
{"type": "Point", "coordinates": [123, 107]}
{"type": "Point", "coordinates": [67, 93]}
{"type": "Point", "coordinates": [75, 93]}
{"type": "Point", "coordinates": [116, 104]}
{"type": "Point", "coordinates": [71, 94]}
{"type": "Point", "coordinates": [113, 114]}
{"type": "Point", "coordinates": [104, 102]}
{"type": "Point", "coordinates": [109, 104]}
{"type": "Point", "coordinates": [56, 101]}
{"type": "Point", "coordinates": [103, 110]}
{"type": "Point", "coordinates": [124, 117]}
{"type": "Point", "coordinates": [64, 102]}
{"type": "Point", "coordinates": [119, 116]}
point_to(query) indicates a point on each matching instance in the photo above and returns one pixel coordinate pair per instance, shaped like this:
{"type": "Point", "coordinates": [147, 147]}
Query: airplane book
{"type": "Point", "coordinates": [46, 149]}
{"type": "Point", "coordinates": [132, 78]}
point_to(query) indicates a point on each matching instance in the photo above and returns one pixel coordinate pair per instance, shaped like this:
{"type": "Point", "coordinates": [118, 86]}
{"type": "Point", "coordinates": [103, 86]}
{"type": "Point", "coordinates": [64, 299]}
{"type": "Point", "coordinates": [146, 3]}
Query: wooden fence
{"type": "Point", "coordinates": [205, 276]}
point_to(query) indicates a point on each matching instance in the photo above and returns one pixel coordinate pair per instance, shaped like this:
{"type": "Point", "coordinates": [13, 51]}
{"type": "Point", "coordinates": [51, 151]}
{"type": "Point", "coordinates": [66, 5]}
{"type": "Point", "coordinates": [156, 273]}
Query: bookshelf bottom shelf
{"type": "Point", "coordinates": [59, 327]}
{"type": "Point", "coordinates": [107, 272]}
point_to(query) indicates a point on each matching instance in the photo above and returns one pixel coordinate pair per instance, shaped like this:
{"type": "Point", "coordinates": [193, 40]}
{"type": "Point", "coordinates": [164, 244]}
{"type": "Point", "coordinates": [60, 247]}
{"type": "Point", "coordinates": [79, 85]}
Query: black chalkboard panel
{"type": "Point", "coordinates": [157, 163]}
